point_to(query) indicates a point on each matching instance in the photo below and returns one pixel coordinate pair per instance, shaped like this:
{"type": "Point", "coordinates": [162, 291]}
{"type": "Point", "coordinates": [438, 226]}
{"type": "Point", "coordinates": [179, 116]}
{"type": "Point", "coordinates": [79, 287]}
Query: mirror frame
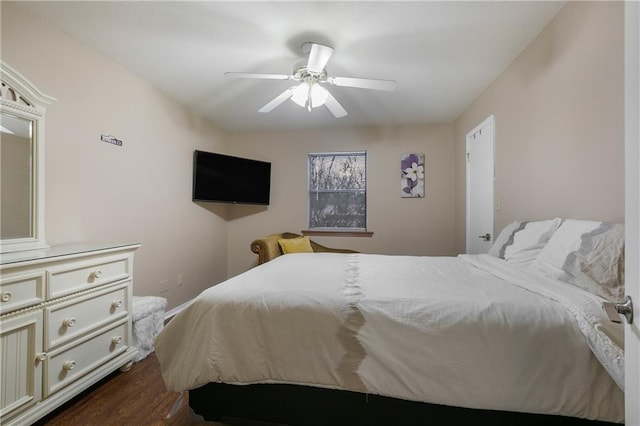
{"type": "Point", "coordinates": [21, 98]}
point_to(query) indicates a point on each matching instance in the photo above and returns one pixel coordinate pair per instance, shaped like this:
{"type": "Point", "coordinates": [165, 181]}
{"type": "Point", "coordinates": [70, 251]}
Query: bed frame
{"type": "Point", "coordinates": [283, 404]}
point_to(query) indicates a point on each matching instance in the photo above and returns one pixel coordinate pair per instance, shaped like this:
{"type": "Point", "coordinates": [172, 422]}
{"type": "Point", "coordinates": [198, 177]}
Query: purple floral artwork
{"type": "Point", "coordinates": [412, 176]}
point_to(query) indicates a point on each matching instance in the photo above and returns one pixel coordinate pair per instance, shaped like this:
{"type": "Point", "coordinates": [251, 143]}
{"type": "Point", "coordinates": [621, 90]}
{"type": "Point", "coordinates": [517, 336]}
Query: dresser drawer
{"type": "Point", "coordinates": [70, 363]}
{"type": "Point", "coordinates": [74, 277]}
{"type": "Point", "coordinates": [21, 291]}
{"type": "Point", "coordinates": [81, 315]}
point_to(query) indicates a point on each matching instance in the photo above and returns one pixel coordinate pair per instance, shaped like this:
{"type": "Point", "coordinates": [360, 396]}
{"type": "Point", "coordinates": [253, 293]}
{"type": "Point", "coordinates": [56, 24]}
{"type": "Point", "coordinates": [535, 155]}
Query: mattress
{"type": "Point", "coordinates": [471, 331]}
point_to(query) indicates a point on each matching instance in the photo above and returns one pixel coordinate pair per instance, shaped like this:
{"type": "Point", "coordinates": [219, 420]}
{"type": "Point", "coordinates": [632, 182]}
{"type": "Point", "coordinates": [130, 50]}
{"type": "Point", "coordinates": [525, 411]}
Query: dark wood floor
{"type": "Point", "coordinates": [137, 397]}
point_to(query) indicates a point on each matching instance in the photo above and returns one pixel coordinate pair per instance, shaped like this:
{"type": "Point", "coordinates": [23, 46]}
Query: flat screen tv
{"type": "Point", "coordinates": [226, 179]}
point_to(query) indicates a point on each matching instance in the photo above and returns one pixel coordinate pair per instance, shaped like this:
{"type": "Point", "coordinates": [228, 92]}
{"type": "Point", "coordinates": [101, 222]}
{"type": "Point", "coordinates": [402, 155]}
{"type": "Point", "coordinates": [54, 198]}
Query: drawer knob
{"type": "Point", "coordinates": [41, 356]}
{"type": "Point", "coordinates": [97, 273]}
{"type": "Point", "coordinates": [6, 296]}
{"type": "Point", "coordinates": [116, 304]}
{"type": "Point", "coordinates": [116, 340]}
{"type": "Point", "coordinates": [69, 322]}
{"type": "Point", "coordinates": [69, 365]}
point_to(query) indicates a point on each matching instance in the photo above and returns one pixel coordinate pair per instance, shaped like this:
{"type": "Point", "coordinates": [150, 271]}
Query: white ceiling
{"type": "Point", "coordinates": [442, 54]}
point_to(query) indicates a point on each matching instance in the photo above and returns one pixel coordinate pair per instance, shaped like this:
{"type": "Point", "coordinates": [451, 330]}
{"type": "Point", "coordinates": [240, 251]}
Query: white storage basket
{"type": "Point", "coordinates": [148, 320]}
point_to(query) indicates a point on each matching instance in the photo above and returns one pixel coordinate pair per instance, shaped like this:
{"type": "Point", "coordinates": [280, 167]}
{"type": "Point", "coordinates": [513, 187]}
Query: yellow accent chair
{"type": "Point", "coordinates": [269, 248]}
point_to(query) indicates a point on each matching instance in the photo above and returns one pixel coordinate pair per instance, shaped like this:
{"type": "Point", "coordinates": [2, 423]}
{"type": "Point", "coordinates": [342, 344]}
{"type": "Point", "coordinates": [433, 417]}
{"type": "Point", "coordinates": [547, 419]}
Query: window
{"type": "Point", "coordinates": [338, 191]}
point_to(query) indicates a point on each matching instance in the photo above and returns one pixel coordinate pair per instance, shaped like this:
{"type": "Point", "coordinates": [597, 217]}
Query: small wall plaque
{"type": "Point", "coordinates": [110, 139]}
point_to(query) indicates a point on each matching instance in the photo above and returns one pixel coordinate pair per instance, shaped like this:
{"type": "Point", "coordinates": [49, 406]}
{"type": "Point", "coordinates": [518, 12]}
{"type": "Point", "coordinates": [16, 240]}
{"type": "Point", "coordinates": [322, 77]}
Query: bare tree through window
{"type": "Point", "coordinates": [337, 190]}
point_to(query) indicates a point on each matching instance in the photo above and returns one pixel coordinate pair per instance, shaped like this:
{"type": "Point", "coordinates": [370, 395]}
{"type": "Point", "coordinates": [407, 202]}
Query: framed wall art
{"type": "Point", "coordinates": [412, 176]}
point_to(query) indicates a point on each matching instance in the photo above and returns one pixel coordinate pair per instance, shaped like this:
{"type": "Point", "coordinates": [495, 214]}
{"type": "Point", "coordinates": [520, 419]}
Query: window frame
{"type": "Point", "coordinates": [311, 192]}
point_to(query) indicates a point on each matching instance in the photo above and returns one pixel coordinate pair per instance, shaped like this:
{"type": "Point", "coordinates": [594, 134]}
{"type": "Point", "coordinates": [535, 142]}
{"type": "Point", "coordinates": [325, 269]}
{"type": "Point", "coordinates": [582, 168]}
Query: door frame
{"type": "Point", "coordinates": [484, 123]}
{"type": "Point", "coordinates": [632, 208]}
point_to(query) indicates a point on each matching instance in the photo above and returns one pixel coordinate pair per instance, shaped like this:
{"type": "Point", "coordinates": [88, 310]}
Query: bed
{"type": "Point", "coordinates": [516, 336]}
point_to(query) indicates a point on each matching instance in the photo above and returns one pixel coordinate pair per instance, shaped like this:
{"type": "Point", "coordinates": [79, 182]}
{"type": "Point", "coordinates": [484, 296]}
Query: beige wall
{"type": "Point", "coordinates": [140, 192]}
{"type": "Point", "coordinates": [401, 226]}
{"type": "Point", "coordinates": [559, 109]}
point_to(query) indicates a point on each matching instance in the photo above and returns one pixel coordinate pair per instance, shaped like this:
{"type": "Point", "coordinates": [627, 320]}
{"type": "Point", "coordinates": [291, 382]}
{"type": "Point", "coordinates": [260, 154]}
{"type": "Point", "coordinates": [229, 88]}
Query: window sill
{"type": "Point", "coordinates": [326, 233]}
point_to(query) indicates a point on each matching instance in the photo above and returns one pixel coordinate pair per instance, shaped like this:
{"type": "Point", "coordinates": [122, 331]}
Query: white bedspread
{"type": "Point", "coordinates": [470, 331]}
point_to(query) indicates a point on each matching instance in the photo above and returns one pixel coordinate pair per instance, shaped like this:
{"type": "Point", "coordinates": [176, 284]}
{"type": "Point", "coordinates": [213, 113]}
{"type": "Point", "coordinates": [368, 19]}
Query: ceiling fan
{"type": "Point", "coordinates": [311, 76]}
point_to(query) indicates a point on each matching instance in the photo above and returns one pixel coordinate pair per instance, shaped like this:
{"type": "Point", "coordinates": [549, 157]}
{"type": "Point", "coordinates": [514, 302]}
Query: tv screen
{"type": "Point", "coordinates": [227, 179]}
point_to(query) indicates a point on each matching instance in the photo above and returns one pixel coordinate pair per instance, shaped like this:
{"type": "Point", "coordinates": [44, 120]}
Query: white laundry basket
{"type": "Point", "coordinates": [148, 321]}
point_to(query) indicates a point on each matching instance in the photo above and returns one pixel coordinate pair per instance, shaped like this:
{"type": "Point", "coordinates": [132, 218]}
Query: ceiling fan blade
{"type": "Point", "coordinates": [318, 57]}
{"type": "Point", "coordinates": [257, 75]}
{"type": "Point", "coordinates": [278, 100]}
{"type": "Point", "coordinates": [334, 106]}
{"type": "Point", "coordinates": [363, 83]}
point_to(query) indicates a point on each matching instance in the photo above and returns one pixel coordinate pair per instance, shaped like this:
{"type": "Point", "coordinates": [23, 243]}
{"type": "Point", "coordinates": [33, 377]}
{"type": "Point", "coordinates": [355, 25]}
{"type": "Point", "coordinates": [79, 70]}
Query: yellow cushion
{"type": "Point", "coordinates": [295, 245]}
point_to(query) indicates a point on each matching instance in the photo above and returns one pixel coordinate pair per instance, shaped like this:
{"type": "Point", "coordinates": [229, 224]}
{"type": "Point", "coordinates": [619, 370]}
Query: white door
{"type": "Point", "coordinates": [632, 209]}
{"type": "Point", "coordinates": [480, 187]}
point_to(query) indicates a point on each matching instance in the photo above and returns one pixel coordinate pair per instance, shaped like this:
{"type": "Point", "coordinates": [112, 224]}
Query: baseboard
{"type": "Point", "coordinates": [175, 311]}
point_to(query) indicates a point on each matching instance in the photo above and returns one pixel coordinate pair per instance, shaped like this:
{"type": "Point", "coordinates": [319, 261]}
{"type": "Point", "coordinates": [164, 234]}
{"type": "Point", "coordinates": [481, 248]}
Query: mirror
{"type": "Point", "coordinates": [16, 209]}
{"type": "Point", "coordinates": [22, 109]}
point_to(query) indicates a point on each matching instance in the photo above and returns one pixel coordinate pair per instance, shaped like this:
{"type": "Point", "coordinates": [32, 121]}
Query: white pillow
{"type": "Point", "coordinates": [520, 242]}
{"type": "Point", "coordinates": [587, 254]}
{"type": "Point", "coordinates": [501, 241]}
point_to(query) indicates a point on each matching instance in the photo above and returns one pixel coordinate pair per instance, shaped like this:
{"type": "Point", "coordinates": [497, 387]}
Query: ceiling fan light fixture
{"type": "Point", "coordinates": [301, 94]}
{"type": "Point", "coordinates": [318, 95]}
{"type": "Point", "coordinates": [309, 95]}
{"type": "Point", "coordinates": [311, 75]}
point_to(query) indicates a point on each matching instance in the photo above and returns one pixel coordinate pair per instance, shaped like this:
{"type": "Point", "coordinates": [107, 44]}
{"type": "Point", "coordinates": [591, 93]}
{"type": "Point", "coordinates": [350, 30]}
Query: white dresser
{"type": "Point", "coordinates": [65, 323]}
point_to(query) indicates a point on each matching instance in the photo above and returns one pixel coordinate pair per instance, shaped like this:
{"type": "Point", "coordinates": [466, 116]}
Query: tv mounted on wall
{"type": "Point", "coordinates": [226, 179]}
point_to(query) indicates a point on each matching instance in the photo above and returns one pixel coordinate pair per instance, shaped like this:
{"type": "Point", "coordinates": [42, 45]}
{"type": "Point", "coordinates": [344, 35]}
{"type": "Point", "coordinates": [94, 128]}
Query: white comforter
{"type": "Point", "coordinates": [470, 331]}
